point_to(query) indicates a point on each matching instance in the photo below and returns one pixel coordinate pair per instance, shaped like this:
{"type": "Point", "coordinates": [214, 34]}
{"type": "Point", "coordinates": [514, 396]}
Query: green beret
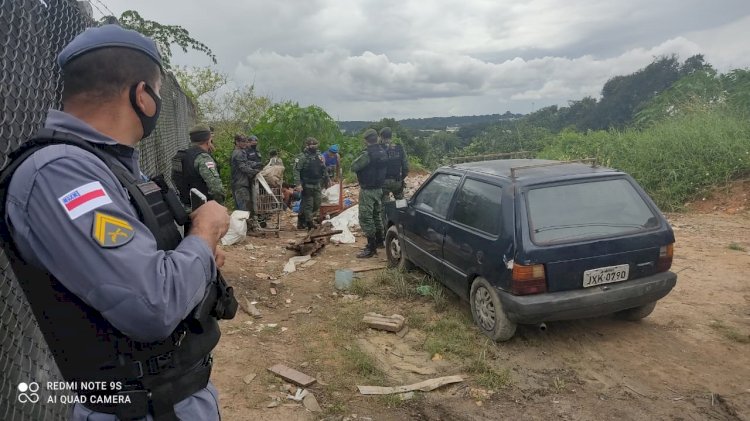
{"type": "Point", "coordinates": [200, 133]}
{"type": "Point", "coordinates": [370, 133]}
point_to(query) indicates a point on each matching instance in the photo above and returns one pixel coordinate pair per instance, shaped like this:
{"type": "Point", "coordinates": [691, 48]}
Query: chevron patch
{"type": "Point", "coordinates": [110, 231]}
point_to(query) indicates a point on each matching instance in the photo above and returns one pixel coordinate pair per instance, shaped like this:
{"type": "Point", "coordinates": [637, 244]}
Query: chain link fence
{"type": "Point", "coordinates": [32, 32]}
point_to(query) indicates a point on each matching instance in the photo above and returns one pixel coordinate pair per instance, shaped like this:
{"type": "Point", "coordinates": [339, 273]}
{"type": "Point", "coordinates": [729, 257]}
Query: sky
{"type": "Point", "coordinates": [368, 59]}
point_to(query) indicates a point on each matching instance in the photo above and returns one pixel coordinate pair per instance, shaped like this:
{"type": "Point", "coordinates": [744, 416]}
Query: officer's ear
{"type": "Point", "coordinates": [144, 100]}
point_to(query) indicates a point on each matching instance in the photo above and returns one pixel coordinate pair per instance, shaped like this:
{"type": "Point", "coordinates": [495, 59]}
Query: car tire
{"type": "Point", "coordinates": [487, 311]}
{"type": "Point", "coordinates": [394, 252]}
{"type": "Point", "coordinates": [636, 313]}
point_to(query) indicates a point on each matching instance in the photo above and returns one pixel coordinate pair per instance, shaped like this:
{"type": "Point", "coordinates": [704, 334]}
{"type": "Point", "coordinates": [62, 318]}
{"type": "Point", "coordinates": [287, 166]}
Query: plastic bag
{"type": "Point", "coordinates": [237, 228]}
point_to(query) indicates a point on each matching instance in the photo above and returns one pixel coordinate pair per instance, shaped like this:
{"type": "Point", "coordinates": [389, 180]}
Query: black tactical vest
{"type": "Point", "coordinates": [395, 155]}
{"type": "Point", "coordinates": [85, 346]}
{"type": "Point", "coordinates": [184, 175]}
{"type": "Point", "coordinates": [373, 175]}
{"type": "Point", "coordinates": [312, 169]}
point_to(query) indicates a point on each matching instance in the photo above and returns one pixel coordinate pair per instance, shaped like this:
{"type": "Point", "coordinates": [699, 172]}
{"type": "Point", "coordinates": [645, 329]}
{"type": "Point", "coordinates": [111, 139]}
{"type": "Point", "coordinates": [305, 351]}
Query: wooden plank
{"type": "Point", "coordinates": [424, 386]}
{"type": "Point", "coordinates": [367, 268]}
{"type": "Point", "coordinates": [292, 375]}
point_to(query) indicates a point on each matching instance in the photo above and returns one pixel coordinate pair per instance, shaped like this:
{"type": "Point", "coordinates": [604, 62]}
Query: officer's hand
{"type": "Point", "coordinates": [210, 222]}
{"type": "Point", "coordinates": [219, 257]}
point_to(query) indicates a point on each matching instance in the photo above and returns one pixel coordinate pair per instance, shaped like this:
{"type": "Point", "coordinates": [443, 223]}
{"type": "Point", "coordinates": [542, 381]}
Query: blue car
{"type": "Point", "coordinates": [528, 241]}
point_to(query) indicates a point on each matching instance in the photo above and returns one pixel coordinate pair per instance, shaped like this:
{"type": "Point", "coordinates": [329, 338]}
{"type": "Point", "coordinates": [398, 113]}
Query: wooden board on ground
{"type": "Point", "coordinates": [368, 268]}
{"type": "Point", "coordinates": [392, 323]}
{"type": "Point", "coordinates": [292, 375]}
{"type": "Point", "coordinates": [424, 386]}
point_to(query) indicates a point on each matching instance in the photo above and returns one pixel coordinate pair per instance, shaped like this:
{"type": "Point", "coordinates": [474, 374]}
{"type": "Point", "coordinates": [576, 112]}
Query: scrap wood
{"type": "Point", "coordinates": [424, 386]}
{"type": "Point", "coordinates": [291, 375]}
{"type": "Point", "coordinates": [392, 323]}
{"type": "Point", "coordinates": [368, 268]}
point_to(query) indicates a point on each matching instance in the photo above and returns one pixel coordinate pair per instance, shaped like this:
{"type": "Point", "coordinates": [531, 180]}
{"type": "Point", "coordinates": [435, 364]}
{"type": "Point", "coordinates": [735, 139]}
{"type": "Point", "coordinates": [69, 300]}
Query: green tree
{"type": "Point", "coordinates": [164, 35]}
{"type": "Point", "coordinates": [201, 85]}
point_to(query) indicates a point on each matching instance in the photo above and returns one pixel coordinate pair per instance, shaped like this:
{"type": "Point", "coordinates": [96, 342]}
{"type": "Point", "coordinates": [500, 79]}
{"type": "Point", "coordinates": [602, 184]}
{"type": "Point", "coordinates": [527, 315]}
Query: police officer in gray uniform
{"type": "Point", "coordinates": [119, 296]}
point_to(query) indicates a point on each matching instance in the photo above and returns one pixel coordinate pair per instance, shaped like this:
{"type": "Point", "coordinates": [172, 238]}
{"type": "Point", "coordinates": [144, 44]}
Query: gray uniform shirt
{"type": "Point", "coordinates": [142, 291]}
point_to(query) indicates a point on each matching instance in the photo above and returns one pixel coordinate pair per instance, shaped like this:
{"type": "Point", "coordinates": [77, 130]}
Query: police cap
{"type": "Point", "coordinates": [200, 133]}
{"type": "Point", "coordinates": [370, 133]}
{"type": "Point", "coordinates": [108, 36]}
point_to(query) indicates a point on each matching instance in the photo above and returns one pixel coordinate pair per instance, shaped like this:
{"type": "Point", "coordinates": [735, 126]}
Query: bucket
{"type": "Point", "coordinates": [343, 279]}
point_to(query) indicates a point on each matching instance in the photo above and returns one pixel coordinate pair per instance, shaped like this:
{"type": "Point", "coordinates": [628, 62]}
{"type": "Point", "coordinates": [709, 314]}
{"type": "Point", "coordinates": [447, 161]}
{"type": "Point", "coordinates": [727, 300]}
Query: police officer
{"type": "Point", "coordinates": [309, 173]}
{"type": "Point", "coordinates": [111, 282]}
{"type": "Point", "coordinates": [198, 169]}
{"type": "Point", "coordinates": [370, 168]}
{"type": "Point", "coordinates": [244, 171]}
{"type": "Point", "coordinates": [397, 166]}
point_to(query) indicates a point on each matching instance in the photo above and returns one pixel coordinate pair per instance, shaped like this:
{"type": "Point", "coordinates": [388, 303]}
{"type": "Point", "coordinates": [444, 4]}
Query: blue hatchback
{"type": "Point", "coordinates": [530, 241]}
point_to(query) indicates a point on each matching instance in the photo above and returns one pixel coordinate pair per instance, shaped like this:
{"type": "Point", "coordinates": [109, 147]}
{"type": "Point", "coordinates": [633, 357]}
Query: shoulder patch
{"type": "Point", "coordinates": [109, 231]}
{"type": "Point", "coordinates": [84, 199]}
{"type": "Point", "coordinates": [210, 165]}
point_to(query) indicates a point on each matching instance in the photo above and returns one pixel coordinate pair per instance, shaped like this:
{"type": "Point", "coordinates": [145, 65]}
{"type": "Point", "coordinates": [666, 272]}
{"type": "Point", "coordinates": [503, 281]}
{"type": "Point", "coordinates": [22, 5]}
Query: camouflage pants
{"type": "Point", "coordinates": [310, 204]}
{"type": "Point", "coordinates": [243, 198]}
{"type": "Point", "coordinates": [370, 209]}
{"type": "Point", "coordinates": [392, 186]}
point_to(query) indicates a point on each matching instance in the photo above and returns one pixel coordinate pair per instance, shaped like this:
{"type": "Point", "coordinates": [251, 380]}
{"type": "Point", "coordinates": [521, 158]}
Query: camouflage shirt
{"type": "Point", "coordinates": [206, 166]}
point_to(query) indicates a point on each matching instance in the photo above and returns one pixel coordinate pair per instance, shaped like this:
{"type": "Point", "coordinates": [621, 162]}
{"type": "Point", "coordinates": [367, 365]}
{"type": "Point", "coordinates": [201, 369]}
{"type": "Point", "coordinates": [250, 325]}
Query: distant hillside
{"type": "Point", "coordinates": [433, 123]}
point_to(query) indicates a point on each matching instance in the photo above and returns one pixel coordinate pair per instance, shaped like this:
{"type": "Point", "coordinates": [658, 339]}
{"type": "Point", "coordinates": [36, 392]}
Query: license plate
{"type": "Point", "coordinates": [605, 275]}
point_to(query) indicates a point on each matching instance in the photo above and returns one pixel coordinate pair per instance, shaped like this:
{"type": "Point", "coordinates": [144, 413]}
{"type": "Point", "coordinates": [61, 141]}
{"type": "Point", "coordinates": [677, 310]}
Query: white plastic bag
{"type": "Point", "coordinates": [237, 228]}
{"type": "Point", "coordinates": [331, 194]}
{"type": "Point", "coordinates": [346, 221]}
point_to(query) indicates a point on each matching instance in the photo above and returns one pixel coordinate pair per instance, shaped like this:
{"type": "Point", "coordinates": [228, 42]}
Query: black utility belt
{"type": "Point", "coordinates": [158, 400]}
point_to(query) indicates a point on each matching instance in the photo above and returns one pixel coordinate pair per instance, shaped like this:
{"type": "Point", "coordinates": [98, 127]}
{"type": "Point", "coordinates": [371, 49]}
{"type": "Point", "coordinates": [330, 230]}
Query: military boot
{"type": "Point", "coordinates": [369, 249]}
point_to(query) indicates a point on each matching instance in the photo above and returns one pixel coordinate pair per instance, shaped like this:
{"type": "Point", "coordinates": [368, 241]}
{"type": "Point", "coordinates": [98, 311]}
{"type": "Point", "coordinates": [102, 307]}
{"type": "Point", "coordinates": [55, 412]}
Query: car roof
{"type": "Point", "coordinates": [531, 170]}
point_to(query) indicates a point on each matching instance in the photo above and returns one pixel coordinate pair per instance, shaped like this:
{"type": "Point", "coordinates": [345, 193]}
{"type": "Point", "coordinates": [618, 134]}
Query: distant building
{"type": "Point", "coordinates": [452, 129]}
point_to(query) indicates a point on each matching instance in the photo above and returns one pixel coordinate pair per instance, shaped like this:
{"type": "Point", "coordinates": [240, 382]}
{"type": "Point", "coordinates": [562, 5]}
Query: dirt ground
{"type": "Point", "coordinates": [689, 360]}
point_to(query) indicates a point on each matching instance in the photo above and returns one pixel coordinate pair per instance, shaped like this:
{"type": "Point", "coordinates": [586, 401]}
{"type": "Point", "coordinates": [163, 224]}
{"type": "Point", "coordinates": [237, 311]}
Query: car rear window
{"type": "Point", "coordinates": [573, 212]}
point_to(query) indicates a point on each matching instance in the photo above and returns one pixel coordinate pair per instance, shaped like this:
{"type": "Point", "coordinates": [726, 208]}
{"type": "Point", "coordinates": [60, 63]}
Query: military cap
{"type": "Point", "coordinates": [239, 137]}
{"type": "Point", "coordinates": [311, 140]}
{"type": "Point", "coordinates": [108, 36]}
{"type": "Point", "coordinates": [252, 137]}
{"type": "Point", "coordinates": [370, 133]}
{"type": "Point", "coordinates": [385, 132]}
{"type": "Point", "coordinates": [200, 133]}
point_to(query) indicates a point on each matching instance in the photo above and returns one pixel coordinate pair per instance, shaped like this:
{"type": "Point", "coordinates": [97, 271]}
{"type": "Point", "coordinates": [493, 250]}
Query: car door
{"type": "Point", "coordinates": [424, 222]}
{"type": "Point", "coordinates": [472, 232]}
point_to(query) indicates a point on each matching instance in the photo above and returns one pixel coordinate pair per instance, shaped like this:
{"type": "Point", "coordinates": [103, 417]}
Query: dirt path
{"type": "Point", "coordinates": [689, 360]}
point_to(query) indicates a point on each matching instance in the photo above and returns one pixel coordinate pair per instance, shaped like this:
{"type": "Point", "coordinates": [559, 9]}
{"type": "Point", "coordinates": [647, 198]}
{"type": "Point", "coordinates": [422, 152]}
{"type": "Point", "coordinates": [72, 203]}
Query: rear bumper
{"type": "Point", "coordinates": [589, 302]}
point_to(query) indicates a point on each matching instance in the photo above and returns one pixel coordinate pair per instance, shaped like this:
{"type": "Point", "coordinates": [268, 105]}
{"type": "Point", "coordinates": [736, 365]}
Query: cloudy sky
{"type": "Point", "coordinates": [369, 59]}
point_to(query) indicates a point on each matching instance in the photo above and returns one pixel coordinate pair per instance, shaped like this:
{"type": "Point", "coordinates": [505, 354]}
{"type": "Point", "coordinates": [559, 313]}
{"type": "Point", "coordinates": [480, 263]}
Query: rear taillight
{"type": "Point", "coordinates": [665, 258]}
{"type": "Point", "coordinates": [528, 279]}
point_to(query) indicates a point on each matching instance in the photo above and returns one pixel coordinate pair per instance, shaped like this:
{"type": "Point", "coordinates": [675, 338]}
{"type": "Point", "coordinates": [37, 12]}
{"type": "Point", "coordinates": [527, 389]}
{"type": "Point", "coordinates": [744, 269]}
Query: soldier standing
{"type": "Point", "coordinates": [244, 171]}
{"type": "Point", "coordinates": [119, 295]}
{"type": "Point", "coordinates": [397, 166]}
{"type": "Point", "coordinates": [370, 169]}
{"type": "Point", "coordinates": [309, 173]}
{"type": "Point", "coordinates": [196, 168]}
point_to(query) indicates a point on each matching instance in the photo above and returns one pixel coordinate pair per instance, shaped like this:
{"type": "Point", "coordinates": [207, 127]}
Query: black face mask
{"type": "Point", "coordinates": [312, 148]}
{"type": "Point", "coordinates": [148, 123]}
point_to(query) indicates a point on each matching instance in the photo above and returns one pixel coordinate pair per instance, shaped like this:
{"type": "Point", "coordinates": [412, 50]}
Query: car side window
{"type": "Point", "coordinates": [478, 206]}
{"type": "Point", "coordinates": [436, 196]}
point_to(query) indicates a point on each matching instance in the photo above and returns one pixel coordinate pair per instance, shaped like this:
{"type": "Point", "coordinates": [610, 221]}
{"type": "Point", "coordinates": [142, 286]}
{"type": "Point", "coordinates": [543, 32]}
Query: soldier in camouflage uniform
{"type": "Point", "coordinates": [397, 166]}
{"type": "Point", "coordinates": [244, 171]}
{"type": "Point", "coordinates": [198, 169]}
{"type": "Point", "coordinates": [370, 168]}
{"type": "Point", "coordinates": [310, 176]}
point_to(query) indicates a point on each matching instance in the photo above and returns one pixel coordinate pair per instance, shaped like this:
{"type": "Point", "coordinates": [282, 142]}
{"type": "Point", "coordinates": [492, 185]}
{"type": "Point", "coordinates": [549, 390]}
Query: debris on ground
{"type": "Point", "coordinates": [314, 241]}
{"type": "Point", "coordinates": [298, 395]}
{"type": "Point", "coordinates": [249, 378]}
{"type": "Point", "coordinates": [311, 403]}
{"type": "Point", "coordinates": [291, 264]}
{"type": "Point", "coordinates": [346, 222]}
{"type": "Point", "coordinates": [292, 375]}
{"type": "Point", "coordinates": [393, 323]}
{"type": "Point", "coordinates": [401, 333]}
{"type": "Point", "coordinates": [237, 228]}
{"type": "Point", "coordinates": [368, 268]}
{"type": "Point", "coordinates": [306, 310]}
{"type": "Point", "coordinates": [250, 309]}
{"type": "Point", "coordinates": [424, 386]}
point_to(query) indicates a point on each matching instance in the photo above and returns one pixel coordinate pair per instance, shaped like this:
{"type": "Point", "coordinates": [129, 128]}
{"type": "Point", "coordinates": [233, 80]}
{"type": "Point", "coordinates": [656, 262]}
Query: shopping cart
{"type": "Point", "coordinates": [269, 205]}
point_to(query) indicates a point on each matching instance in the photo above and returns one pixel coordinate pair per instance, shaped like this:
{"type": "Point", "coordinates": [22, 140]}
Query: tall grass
{"type": "Point", "coordinates": [674, 159]}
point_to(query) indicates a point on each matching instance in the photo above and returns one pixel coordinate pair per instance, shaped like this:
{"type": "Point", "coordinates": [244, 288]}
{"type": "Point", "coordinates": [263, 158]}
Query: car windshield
{"type": "Point", "coordinates": [572, 212]}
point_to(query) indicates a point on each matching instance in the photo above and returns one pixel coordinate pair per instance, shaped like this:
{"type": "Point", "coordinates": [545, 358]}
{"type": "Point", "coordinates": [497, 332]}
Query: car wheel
{"type": "Point", "coordinates": [394, 252]}
{"type": "Point", "coordinates": [488, 313]}
{"type": "Point", "coordinates": [636, 313]}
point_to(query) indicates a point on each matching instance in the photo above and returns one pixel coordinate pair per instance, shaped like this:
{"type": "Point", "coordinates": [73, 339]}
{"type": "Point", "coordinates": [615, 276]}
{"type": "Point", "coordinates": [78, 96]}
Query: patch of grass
{"type": "Point", "coordinates": [336, 408]}
{"type": "Point", "coordinates": [486, 374]}
{"type": "Point", "coordinates": [453, 334]}
{"type": "Point", "coordinates": [736, 247]}
{"type": "Point", "coordinates": [417, 320]}
{"type": "Point", "coordinates": [399, 285]}
{"type": "Point", "coordinates": [559, 384]}
{"type": "Point", "coordinates": [362, 364]}
{"type": "Point", "coordinates": [730, 332]}
{"type": "Point", "coordinates": [362, 287]}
